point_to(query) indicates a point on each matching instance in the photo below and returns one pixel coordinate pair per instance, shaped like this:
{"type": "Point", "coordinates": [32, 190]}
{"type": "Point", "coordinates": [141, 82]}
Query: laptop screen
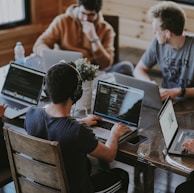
{"type": "Point", "coordinates": [23, 83]}
{"type": "Point", "coordinates": [152, 97]}
{"type": "Point", "coordinates": [51, 56]}
{"type": "Point", "coordinates": [118, 102]}
{"type": "Point", "coordinates": [168, 122]}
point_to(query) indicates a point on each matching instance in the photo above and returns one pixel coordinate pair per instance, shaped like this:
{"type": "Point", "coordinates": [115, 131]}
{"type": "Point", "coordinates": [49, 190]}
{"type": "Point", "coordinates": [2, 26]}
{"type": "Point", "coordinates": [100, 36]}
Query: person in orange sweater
{"type": "Point", "coordinates": [82, 28]}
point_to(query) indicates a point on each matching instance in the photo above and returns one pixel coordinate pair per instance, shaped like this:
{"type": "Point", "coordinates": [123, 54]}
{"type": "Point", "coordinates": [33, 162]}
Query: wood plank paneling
{"type": "Point", "coordinates": [8, 38]}
{"type": "Point", "coordinates": [135, 28]}
{"type": "Point", "coordinates": [42, 13]}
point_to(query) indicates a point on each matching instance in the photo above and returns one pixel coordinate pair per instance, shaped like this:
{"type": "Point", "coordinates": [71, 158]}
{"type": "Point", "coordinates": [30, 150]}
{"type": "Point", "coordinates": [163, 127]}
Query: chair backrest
{"type": "Point", "coordinates": [36, 164]}
{"type": "Point", "coordinates": [113, 20]}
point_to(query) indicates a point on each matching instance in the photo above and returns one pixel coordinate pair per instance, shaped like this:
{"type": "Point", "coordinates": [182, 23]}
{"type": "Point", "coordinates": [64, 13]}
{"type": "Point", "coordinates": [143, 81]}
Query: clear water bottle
{"type": "Point", "coordinates": [19, 53]}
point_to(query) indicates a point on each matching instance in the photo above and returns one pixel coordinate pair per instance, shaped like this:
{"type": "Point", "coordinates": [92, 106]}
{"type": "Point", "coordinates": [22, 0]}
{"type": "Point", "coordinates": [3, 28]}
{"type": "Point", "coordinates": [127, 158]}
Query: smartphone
{"type": "Point", "coordinates": [137, 140]}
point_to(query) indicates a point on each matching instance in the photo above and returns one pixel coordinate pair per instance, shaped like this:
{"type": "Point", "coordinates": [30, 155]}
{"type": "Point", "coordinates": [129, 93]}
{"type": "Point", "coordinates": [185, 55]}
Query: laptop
{"type": "Point", "coordinates": [152, 97]}
{"type": "Point", "coordinates": [53, 56]}
{"type": "Point", "coordinates": [22, 89]}
{"type": "Point", "coordinates": [116, 103]}
{"type": "Point", "coordinates": [173, 135]}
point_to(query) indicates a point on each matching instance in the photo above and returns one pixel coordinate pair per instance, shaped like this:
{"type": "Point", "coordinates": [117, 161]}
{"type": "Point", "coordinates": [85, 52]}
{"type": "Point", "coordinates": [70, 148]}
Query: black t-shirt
{"type": "Point", "coordinates": [76, 140]}
{"type": "Point", "coordinates": [4, 162]}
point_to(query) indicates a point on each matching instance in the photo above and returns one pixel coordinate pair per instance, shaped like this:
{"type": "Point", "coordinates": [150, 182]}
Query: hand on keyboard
{"type": "Point", "coordinates": [90, 120]}
{"type": "Point", "coordinates": [119, 129]}
{"type": "Point", "coordinates": [104, 124]}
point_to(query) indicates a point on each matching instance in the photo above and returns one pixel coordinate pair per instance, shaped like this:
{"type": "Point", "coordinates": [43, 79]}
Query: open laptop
{"type": "Point", "coordinates": [152, 97]}
{"type": "Point", "coordinates": [53, 56]}
{"type": "Point", "coordinates": [116, 103]}
{"type": "Point", "coordinates": [21, 89]}
{"type": "Point", "coordinates": [173, 135]}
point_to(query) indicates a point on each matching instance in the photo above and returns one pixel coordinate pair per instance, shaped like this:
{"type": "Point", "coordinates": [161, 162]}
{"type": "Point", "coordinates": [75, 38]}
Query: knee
{"type": "Point", "coordinates": [125, 67]}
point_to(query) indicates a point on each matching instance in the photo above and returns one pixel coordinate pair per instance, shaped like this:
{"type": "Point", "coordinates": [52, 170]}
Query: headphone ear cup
{"type": "Point", "coordinates": [77, 93]}
{"type": "Point", "coordinates": [45, 90]}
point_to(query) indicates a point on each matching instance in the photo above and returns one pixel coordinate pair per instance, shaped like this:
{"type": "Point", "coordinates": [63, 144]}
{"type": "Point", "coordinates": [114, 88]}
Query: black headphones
{"type": "Point", "coordinates": [77, 93]}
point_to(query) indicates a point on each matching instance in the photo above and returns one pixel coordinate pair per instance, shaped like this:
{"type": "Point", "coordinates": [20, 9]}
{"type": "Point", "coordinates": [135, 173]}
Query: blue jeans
{"type": "Point", "coordinates": [123, 67]}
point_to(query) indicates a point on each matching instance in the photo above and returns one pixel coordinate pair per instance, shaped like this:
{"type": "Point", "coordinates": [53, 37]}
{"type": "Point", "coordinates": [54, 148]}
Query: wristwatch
{"type": "Point", "coordinates": [94, 40]}
{"type": "Point", "coordinates": [183, 91]}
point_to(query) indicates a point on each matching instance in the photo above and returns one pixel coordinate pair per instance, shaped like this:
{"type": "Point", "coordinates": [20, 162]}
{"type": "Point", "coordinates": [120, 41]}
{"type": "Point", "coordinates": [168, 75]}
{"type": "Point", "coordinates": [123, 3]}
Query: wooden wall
{"type": "Point", "coordinates": [135, 29]}
{"type": "Point", "coordinates": [42, 13]}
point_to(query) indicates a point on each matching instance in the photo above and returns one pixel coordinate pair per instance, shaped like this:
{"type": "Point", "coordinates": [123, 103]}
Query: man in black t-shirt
{"type": "Point", "coordinates": [77, 140]}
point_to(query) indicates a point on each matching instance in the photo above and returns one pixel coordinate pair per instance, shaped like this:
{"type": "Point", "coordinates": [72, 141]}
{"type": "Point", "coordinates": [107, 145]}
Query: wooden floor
{"type": "Point", "coordinates": [165, 181]}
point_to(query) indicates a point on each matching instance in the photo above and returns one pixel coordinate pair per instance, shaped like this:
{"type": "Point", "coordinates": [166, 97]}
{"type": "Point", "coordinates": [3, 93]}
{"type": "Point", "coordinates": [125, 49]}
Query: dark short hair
{"type": "Point", "coordinates": [92, 5]}
{"type": "Point", "coordinates": [171, 15]}
{"type": "Point", "coordinates": [61, 81]}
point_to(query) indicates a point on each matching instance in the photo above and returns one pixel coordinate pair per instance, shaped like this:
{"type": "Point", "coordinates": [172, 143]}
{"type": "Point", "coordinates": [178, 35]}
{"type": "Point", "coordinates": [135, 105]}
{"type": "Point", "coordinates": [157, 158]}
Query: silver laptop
{"type": "Point", "coordinates": [116, 103]}
{"type": "Point", "coordinates": [53, 56]}
{"type": "Point", "coordinates": [21, 90]}
{"type": "Point", "coordinates": [152, 97]}
{"type": "Point", "coordinates": [173, 135]}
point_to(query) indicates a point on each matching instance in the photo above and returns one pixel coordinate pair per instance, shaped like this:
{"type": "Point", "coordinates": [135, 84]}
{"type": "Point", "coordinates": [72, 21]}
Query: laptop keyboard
{"type": "Point", "coordinates": [104, 124]}
{"type": "Point", "coordinates": [12, 104]}
{"type": "Point", "coordinates": [185, 136]}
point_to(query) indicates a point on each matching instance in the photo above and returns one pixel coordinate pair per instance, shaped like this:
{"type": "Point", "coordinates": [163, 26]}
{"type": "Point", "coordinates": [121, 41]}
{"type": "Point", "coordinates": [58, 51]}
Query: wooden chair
{"type": "Point", "coordinates": [36, 164]}
{"type": "Point", "coordinates": [113, 20]}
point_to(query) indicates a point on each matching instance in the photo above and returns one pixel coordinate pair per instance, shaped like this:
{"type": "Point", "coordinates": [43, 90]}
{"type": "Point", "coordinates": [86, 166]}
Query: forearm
{"type": "Point", "coordinates": [176, 92]}
{"type": "Point", "coordinates": [141, 72]}
{"type": "Point", "coordinates": [107, 151]}
{"type": "Point", "coordinates": [46, 40]}
{"type": "Point", "coordinates": [101, 56]}
{"type": "Point", "coordinates": [112, 144]}
{"type": "Point", "coordinates": [189, 92]}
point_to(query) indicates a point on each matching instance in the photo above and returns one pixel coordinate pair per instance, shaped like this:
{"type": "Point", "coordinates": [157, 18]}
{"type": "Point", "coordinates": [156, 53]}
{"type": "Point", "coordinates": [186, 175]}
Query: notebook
{"type": "Point", "coordinates": [22, 89]}
{"type": "Point", "coordinates": [53, 56]}
{"type": "Point", "coordinates": [173, 135]}
{"type": "Point", "coordinates": [152, 97]}
{"type": "Point", "coordinates": [116, 103]}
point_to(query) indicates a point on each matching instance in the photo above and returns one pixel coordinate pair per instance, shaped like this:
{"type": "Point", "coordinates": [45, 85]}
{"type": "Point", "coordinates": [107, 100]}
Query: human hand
{"type": "Point", "coordinates": [119, 129]}
{"type": "Point", "coordinates": [166, 92]}
{"type": "Point", "coordinates": [2, 109]}
{"type": "Point", "coordinates": [90, 120]}
{"type": "Point", "coordinates": [189, 145]}
{"type": "Point", "coordinates": [89, 29]}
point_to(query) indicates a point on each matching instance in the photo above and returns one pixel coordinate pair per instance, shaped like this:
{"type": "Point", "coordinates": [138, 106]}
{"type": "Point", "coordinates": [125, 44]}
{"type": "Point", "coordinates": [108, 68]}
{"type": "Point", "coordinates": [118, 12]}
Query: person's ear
{"type": "Point", "coordinates": [167, 34]}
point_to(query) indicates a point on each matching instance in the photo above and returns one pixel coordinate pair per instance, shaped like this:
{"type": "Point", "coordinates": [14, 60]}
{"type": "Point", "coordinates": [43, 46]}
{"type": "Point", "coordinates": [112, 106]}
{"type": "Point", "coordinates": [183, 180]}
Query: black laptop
{"type": "Point", "coordinates": [21, 90]}
{"type": "Point", "coordinates": [173, 135]}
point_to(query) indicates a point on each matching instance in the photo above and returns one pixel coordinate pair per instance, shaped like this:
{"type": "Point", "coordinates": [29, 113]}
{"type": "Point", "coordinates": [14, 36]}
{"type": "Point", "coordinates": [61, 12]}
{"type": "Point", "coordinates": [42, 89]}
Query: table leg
{"type": "Point", "coordinates": [148, 177]}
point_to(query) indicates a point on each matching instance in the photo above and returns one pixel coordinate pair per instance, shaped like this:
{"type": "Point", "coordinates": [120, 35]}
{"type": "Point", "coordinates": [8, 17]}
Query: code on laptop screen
{"type": "Point", "coordinates": [23, 84]}
{"type": "Point", "coordinates": [119, 103]}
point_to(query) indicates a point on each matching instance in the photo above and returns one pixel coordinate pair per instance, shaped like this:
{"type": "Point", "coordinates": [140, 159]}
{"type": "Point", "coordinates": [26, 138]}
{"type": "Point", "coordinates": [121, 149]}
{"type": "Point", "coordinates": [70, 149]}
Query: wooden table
{"type": "Point", "coordinates": [148, 155]}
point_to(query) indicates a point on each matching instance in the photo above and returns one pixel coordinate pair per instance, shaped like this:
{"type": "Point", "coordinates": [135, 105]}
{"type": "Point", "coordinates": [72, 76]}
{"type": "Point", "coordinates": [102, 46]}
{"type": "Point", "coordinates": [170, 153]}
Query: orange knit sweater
{"type": "Point", "coordinates": [66, 31]}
